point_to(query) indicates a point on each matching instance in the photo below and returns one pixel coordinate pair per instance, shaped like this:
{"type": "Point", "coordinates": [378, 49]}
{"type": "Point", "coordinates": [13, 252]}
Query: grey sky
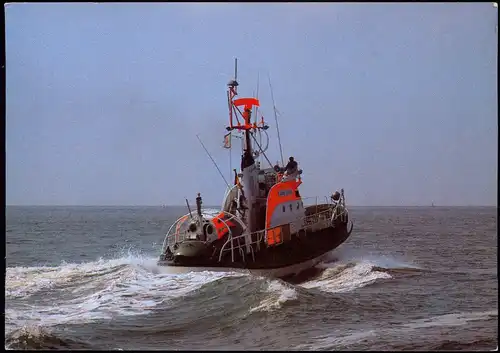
{"type": "Point", "coordinates": [396, 103]}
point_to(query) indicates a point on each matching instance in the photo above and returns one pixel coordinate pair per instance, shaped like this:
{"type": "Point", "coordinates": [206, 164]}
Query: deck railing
{"type": "Point", "coordinates": [309, 222]}
{"type": "Point", "coordinates": [173, 236]}
{"type": "Point", "coordinates": [238, 243]}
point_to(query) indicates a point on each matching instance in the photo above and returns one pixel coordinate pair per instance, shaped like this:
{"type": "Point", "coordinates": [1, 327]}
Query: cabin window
{"type": "Point", "coordinates": [297, 193]}
{"type": "Point", "coordinates": [298, 205]}
{"type": "Point", "coordinates": [283, 193]}
{"type": "Point", "coordinates": [291, 207]}
{"type": "Point", "coordinates": [283, 208]}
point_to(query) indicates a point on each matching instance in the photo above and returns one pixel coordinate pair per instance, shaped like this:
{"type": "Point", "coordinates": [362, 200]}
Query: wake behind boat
{"type": "Point", "coordinates": [263, 225]}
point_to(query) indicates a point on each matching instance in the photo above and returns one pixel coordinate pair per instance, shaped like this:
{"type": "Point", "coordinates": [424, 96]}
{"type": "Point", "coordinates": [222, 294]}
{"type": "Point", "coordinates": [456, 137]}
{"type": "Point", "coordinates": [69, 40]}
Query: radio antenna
{"type": "Point", "coordinates": [236, 69]}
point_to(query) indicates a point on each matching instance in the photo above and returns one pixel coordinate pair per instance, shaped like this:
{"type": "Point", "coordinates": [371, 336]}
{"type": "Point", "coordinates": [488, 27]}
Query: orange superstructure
{"type": "Point", "coordinates": [280, 193]}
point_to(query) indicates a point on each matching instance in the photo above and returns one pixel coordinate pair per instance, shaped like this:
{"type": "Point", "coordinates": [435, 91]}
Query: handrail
{"type": "Point", "coordinates": [327, 212]}
{"type": "Point", "coordinates": [165, 241]}
{"type": "Point", "coordinates": [308, 221]}
{"type": "Point", "coordinates": [223, 248]}
{"type": "Point", "coordinates": [176, 237]}
{"type": "Point", "coordinates": [230, 236]}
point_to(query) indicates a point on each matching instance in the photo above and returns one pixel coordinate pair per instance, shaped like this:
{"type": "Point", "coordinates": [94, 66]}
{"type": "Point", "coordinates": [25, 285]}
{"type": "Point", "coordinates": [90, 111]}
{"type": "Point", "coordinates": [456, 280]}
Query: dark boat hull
{"type": "Point", "coordinates": [302, 251]}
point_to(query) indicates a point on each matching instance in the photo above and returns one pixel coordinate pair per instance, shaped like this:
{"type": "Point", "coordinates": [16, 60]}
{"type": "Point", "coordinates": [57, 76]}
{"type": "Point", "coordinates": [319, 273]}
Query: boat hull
{"type": "Point", "coordinates": [302, 252]}
{"type": "Point", "coordinates": [281, 272]}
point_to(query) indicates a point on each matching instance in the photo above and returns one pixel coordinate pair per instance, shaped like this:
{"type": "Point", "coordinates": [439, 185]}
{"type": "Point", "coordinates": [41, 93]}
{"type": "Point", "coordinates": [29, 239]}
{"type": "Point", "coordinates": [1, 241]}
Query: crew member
{"type": "Point", "coordinates": [335, 197]}
{"type": "Point", "coordinates": [291, 169]}
{"type": "Point", "coordinates": [198, 204]}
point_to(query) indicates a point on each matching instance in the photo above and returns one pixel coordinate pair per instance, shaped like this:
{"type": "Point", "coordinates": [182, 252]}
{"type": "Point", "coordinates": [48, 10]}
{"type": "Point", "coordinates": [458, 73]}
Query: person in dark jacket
{"type": "Point", "coordinates": [291, 169]}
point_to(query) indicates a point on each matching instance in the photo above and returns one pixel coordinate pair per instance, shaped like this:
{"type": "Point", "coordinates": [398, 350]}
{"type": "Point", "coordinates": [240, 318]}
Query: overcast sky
{"type": "Point", "coordinates": [396, 103]}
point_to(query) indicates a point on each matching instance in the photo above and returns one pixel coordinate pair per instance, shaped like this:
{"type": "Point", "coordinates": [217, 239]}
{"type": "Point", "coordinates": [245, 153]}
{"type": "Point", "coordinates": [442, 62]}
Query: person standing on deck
{"type": "Point", "coordinates": [291, 169]}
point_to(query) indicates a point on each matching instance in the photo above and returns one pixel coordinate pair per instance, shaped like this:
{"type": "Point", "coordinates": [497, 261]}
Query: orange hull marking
{"type": "Point", "coordinates": [274, 235]}
{"type": "Point", "coordinates": [220, 227]}
{"type": "Point", "coordinates": [279, 194]}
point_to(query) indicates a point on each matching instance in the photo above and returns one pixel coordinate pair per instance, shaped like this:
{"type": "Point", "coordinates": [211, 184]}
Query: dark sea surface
{"type": "Point", "coordinates": [407, 278]}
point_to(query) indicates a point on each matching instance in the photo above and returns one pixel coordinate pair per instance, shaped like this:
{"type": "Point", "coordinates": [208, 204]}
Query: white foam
{"type": "Point", "coordinates": [362, 255]}
{"type": "Point", "coordinates": [28, 332]}
{"type": "Point", "coordinates": [210, 212]}
{"type": "Point", "coordinates": [353, 268]}
{"type": "Point", "coordinates": [95, 290]}
{"type": "Point", "coordinates": [32, 331]}
{"type": "Point", "coordinates": [343, 278]}
{"type": "Point", "coordinates": [25, 281]}
{"type": "Point", "coordinates": [277, 294]}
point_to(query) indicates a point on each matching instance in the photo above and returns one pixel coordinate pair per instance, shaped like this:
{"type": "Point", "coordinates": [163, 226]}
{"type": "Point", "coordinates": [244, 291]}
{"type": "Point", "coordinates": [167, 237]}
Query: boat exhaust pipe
{"type": "Point", "coordinates": [189, 209]}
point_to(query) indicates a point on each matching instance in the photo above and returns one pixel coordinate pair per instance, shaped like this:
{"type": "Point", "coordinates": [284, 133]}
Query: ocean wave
{"type": "Point", "coordinates": [95, 290]}
{"type": "Point", "coordinates": [454, 345]}
{"type": "Point", "coordinates": [278, 293]}
{"type": "Point", "coordinates": [134, 285]}
{"type": "Point", "coordinates": [408, 334]}
{"type": "Point", "coordinates": [455, 319]}
{"type": "Point", "coordinates": [346, 277]}
{"type": "Point", "coordinates": [31, 337]}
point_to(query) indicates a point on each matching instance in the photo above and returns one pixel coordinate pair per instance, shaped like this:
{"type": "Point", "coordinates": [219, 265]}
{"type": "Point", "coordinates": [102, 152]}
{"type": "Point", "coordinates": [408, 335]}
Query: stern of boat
{"type": "Point", "coordinates": [197, 240]}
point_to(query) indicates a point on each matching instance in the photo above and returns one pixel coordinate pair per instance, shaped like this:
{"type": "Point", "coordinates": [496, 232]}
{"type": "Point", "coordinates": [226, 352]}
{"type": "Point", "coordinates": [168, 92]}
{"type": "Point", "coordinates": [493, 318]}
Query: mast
{"type": "Point", "coordinates": [242, 107]}
{"type": "Point", "coordinates": [246, 114]}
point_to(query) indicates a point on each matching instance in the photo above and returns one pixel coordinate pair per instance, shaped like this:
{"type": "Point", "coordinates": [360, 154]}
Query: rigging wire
{"type": "Point", "coordinates": [268, 161]}
{"type": "Point", "coordinates": [215, 164]}
{"type": "Point", "coordinates": [257, 108]}
{"type": "Point", "coordinates": [276, 119]}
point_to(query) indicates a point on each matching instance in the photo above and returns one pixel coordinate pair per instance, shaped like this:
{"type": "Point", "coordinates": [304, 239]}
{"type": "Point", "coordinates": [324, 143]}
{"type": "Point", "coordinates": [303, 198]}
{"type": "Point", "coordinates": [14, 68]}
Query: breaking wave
{"type": "Point", "coordinates": [97, 290]}
{"type": "Point", "coordinates": [346, 277]}
{"type": "Point", "coordinates": [278, 294]}
{"type": "Point", "coordinates": [134, 286]}
{"type": "Point", "coordinates": [37, 337]}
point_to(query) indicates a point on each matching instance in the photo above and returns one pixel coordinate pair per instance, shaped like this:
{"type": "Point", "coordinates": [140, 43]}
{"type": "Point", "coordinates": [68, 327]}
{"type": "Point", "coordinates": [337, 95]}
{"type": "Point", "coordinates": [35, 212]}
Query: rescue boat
{"type": "Point", "coordinates": [263, 226]}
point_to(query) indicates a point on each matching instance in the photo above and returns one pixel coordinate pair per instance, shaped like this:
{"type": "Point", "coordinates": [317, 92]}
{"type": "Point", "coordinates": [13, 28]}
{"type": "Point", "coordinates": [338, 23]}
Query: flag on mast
{"type": "Point", "coordinates": [227, 140]}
